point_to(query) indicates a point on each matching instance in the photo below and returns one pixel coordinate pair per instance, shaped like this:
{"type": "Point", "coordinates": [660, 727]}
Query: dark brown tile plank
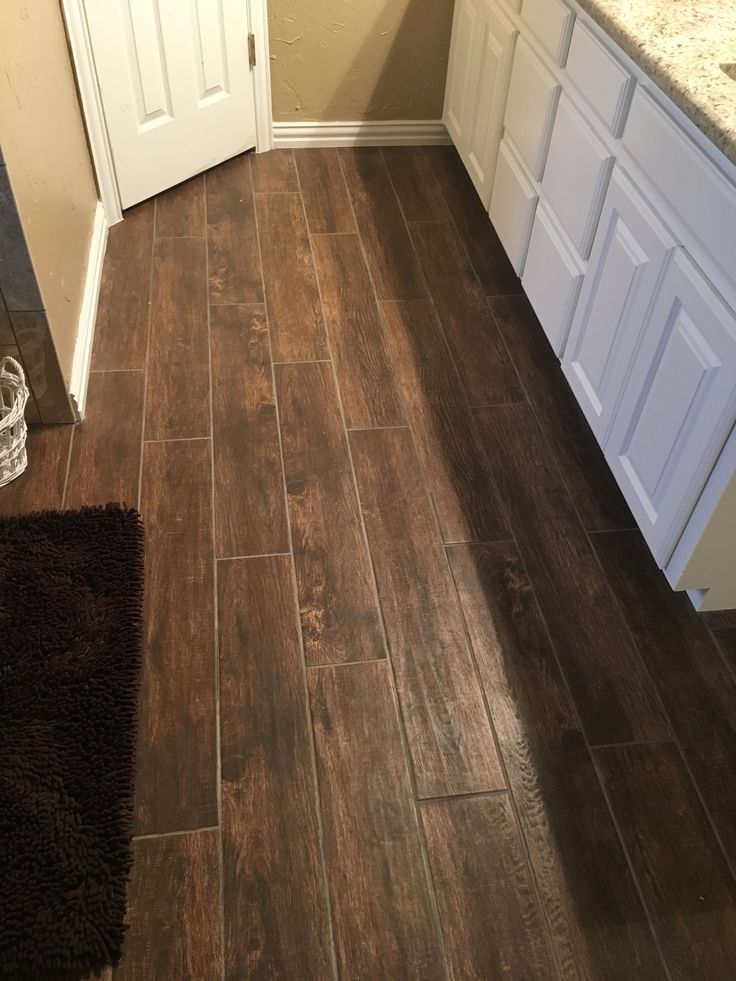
{"type": "Point", "coordinates": [487, 374]}
{"type": "Point", "coordinates": [459, 478]}
{"type": "Point", "coordinates": [177, 778]}
{"type": "Point", "coordinates": [121, 330]}
{"type": "Point", "coordinates": [491, 921]}
{"type": "Point", "coordinates": [391, 259]}
{"type": "Point", "coordinates": [173, 910]}
{"type": "Point", "coordinates": [180, 211]}
{"type": "Point", "coordinates": [339, 610]}
{"type": "Point", "coordinates": [325, 195]}
{"type": "Point", "coordinates": [720, 619]}
{"type": "Point", "coordinates": [415, 183]}
{"type": "Point", "coordinates": [41, 486]}
{"type": "Point", "coordinates": [177, 399]}
{"type": "Point", "coordinates": [479, 238]}
{"type": "Point", "coordinates": [274, 171]}
{"type": "Point", "coordinates": [250, 511]}
{"type": "Point", "coordinates": [684, 878]}
{"type": "Point", "coordinates": [106, 452]}
{"type": "Point", "coordinates": [294, 311]}
{"type": "Point", "coordinates": [275, 903]}
{"type": "Point", "coordinates": [696, 686]}
{"type": "Point", "coordinates": [380, 896]}
{"type": "Point", "coordinates": [234, 260]}
{"type": "Point", "coordinates": [727, 641]}
{"type": "Point", "coordinates": [613, 692]}
{"type": "Point", "coordinates": [596, 495]}
{"type": "Point", "coordinates": [589, 896]}
{"type": "Point", "coordinates": [450, 738]}
{"type": "Point", "coordinates": [370, 395]}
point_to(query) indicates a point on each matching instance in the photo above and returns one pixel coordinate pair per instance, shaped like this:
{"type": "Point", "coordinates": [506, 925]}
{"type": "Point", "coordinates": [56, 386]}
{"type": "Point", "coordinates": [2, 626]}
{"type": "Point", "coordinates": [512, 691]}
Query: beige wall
{"type": "Point", "coordinates": [358, 59]}
{"type": "Point", "coordinates": [45, 148]}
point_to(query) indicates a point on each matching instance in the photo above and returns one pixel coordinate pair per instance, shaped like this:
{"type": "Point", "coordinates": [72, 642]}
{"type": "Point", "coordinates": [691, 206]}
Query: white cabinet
{"type": "Point", "coordinates": [678, 406]}
{"type": "Point", "coordinates": [531, 106]}
{"type": "Point", "coordinates": [628, 257]}
{"type": "Point", "coordinates": [513, 204]}
{"type": "Point", "coordinates": [478, 76]}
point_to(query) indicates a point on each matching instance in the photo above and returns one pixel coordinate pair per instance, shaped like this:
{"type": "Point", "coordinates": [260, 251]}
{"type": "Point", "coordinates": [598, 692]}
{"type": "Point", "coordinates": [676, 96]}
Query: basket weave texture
{"type": "Point", "coordinates": [13, 429]}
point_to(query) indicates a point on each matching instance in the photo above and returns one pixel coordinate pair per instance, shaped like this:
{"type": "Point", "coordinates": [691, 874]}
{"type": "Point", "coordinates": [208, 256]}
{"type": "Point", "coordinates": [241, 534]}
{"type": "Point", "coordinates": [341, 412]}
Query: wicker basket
{"type": "Point", "coordinates": [13, 430]}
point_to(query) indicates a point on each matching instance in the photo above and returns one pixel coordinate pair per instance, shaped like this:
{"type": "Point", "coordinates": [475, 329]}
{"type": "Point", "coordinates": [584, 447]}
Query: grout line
{"type": "Point", "coordinates": [67, 469]}
{"type": "Point", "coordinates": [117, 371]}
{"type": "Point", "coordinates": [331, 234]}
{"type": "Point", "coordinates": [473, 544]}
{"type": "Point", "coordinates": [310, 361]}
{"type": "Point", "coordinates": [215, 602]}
{"type": "Point", "coordinates": [147, 357]}
{"type": "Point", "coordinates": [175, 834]}
{"type": "Point", "coordinates": [297, 612]}
{"type": "Point", "coordinates": [495, 405]}
{"type": "Point", "coordinates": [370, 429]}
{"type": "Point", "coordinates": [347, 664]}
{"type": "Point", "coordinates": [624, 744]}
{"type": "Point", "coordinates": [178, 439]}
{"type": "Point", "coordinates": [478, 795]}
{"type": "Point", "coordinates": [258, 555]}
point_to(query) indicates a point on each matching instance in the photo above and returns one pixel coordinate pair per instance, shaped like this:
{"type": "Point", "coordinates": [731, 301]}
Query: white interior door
{"type": "Point", "coordinates": [176, 85]}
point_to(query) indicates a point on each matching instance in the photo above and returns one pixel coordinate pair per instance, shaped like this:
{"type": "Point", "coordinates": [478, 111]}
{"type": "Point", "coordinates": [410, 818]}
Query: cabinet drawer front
{"type": "Point", "coordinates": [552, 279]}
{"type": "Point", "coordinates": [576, 175]}
{"type": "Point", "coordinates": [530, 110]}
{"type": "Point", "coordinates": [551, 21]}
{"type": "Point", "coordinates": [681, 172]}
{"type": "Point", "coordinates": [513, 203]}
{"type": "Point", "coordinates": [599, 77]}
{"type": "Point", "coordinates": [627, 260]}
{"type": "Point", "coordinates": [679, 407]}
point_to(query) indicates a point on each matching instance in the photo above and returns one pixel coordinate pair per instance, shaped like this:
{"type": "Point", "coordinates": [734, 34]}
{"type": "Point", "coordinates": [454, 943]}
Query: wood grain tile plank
{"type": "Point", "coordinates": [177, 399]}
{"type": "Point", "coordinates": [106, 452]}
{"type": "Point", "coordinates": [478, 235]}
{"type": "Point", "coordinates": [294, 311]}
{"type": "Point", "coordinates": [450, 738]}
{"type": "Point", "coordinates": [391, 259]}
{"type": "Point", "coordinates": [726, 638]}
{"type": "Point", "coordinates": [325, 195]}
{"type": "Point", "coordinates": [415, 183]}
{"type": "Point", "coordinates": [486, 371]}
{"type": "Point", "coordinates": [613, 692]}
{"type": "Point", "coordinates": [459, 477]}
{"type": "Point", "coordinates": [697, 688]}
{"type": "Point", "coordinates": [491, 920]}
{"type": "Point", "coordinates": [275, 903]}
{"type": "Point", "coordinates": [382, 913]}
{"type": "Point", "coordinates": [339, 609]}
{"type": "Point", "coordinates": [597, 498]}
{"type": "Point", "coordinates": [684, 878]}
{"type": "Point", "coordinates": [720, 619]}
{"type": "Point", "coordinates": [176, 788]}
{"type": "Point", "coordinates": [121, 329]}
{"type": "Point", "coordinates": [250, 511]}
{"type": "Point", "coordinates": [369, 391]}
{"type": "Point", "coordinates": [274, 171]}
{"type": "Point", "coordinates": [234, 259]}
{"type": "Point", "coordinates": [173, 910]}
{"type": "Point", "coordinates": [41, 486]}
{"type": "Point", "coordinates": [180, 211]}
{"type": "Point", "coordinates": [587, 891]}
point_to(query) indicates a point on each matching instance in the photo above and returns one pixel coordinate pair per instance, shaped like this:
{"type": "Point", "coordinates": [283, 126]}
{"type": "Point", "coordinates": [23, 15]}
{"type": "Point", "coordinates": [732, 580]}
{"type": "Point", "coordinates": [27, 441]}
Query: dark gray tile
{"type": "Point", "coordinates": [44, 374]}
{"type": "Point", "coordinates": [17, 278]}
{"type": "Point", "coordinates": [7, 338]}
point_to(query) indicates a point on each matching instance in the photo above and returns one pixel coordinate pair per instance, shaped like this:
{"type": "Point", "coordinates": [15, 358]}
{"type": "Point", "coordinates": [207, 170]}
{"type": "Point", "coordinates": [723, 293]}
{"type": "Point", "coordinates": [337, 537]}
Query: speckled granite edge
{"type": "Point", "coordinates": [703, 93]}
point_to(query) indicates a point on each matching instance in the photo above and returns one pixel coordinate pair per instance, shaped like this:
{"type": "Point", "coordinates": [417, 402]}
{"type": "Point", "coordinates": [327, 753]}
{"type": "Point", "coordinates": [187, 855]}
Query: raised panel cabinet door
{"type": "Point", "coordinates": [679, 404]}
{"type": "Point", "coordinates": [176, 86]}
{"type": "Point", "coordinates": [531, 107]}
{"type": "Point", "coordinates": [485, 70]}
{"type": "Point", "coordinates": [626, 262]}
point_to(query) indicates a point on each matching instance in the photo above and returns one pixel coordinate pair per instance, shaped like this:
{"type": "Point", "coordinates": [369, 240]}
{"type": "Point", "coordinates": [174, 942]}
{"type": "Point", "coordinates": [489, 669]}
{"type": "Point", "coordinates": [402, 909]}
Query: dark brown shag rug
{"type": "Point", "coordinates": [71, 600]}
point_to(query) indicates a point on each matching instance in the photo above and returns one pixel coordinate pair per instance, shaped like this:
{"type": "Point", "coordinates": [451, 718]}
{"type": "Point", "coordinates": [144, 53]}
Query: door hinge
{"type": "Point", "coordinates": [252, 50]}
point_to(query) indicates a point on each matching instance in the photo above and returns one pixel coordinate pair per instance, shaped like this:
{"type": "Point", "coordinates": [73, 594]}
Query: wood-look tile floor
{"type": "Point", "coordinates": [416, 703]}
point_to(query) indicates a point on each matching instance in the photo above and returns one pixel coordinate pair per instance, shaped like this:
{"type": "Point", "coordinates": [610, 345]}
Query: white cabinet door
{"type": "Point", "coordinates": [480, 65]}
{"type": "Point", "coordinates": [627, 259]}
{"type": "Point", "coordinates": [176, 86]}
{"type": "Point", "coordinates": [678, 407]}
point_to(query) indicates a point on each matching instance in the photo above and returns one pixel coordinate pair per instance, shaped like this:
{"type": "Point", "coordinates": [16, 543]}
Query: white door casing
{"type": "Point", "coordinates": [175, 86]}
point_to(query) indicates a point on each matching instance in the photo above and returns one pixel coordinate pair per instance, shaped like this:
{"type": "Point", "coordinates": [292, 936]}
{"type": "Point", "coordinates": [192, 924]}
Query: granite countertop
{"type": "Point", "coordinates": [680, 45]}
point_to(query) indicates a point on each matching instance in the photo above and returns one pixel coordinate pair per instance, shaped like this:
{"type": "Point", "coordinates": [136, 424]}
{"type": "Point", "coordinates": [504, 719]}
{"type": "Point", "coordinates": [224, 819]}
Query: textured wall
{"type": "Point", "coordinates": [359, 59]}
{"type": "Point", "coordinates": [45, 149]}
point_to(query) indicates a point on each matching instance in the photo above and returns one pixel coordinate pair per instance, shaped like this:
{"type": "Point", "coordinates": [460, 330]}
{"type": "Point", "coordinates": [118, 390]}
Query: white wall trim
{"type": "Point", "coordinates": [88, 312]}
{"type": "Point", "coordinates": [400, 132]}
{"type": "Point", "coordinates": [258, 21]}
{"type": "Point", "coordinates": [94, 117]}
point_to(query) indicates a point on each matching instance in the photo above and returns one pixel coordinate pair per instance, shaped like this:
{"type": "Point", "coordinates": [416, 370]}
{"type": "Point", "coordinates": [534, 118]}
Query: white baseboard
{"type": "Point", "coordinates": [400, 132]}
{"type": "Point", "coordinates": [88, 312]}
